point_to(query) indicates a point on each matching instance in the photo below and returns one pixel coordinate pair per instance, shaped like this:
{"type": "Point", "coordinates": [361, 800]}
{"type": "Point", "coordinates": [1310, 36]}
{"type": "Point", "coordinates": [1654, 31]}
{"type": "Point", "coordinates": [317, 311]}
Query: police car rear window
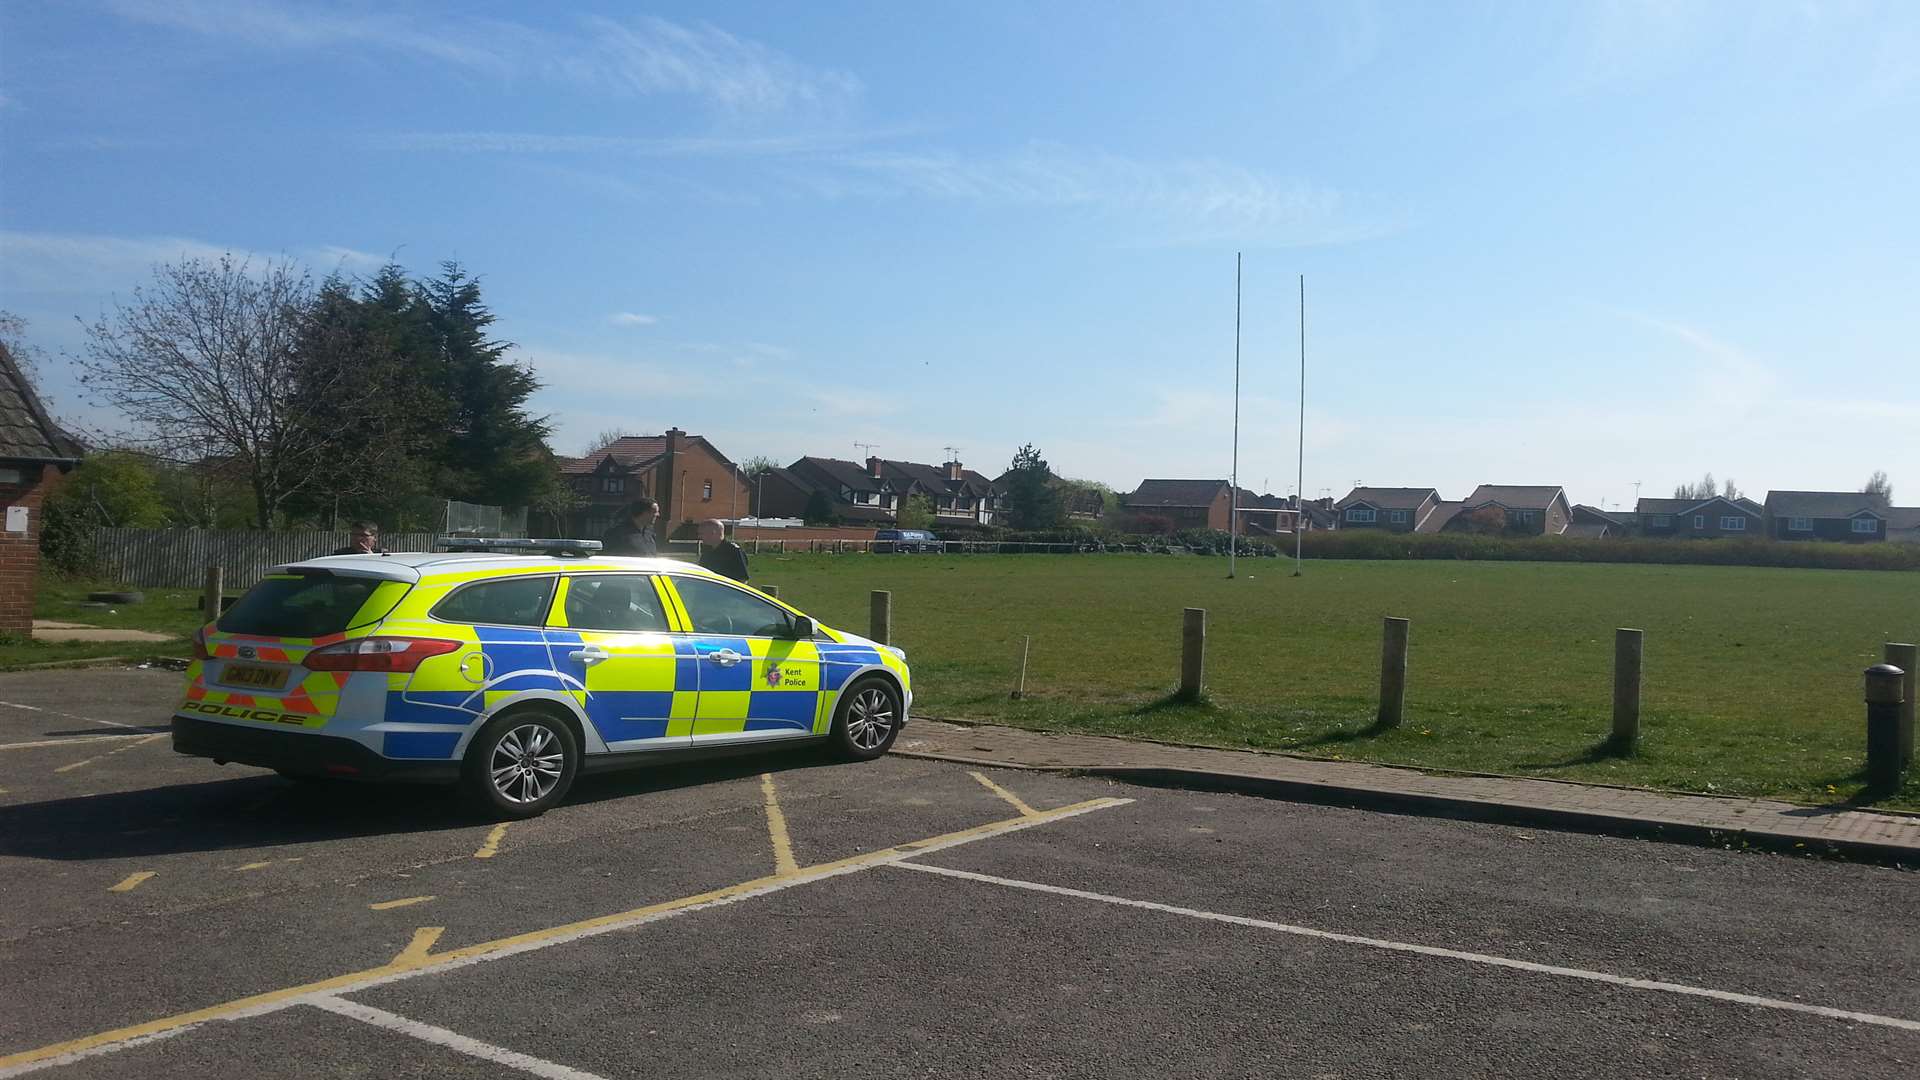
{"type": "Point", "coordinates": [310, 605]}
{"type": "Point", "coordinates": [519, 601]}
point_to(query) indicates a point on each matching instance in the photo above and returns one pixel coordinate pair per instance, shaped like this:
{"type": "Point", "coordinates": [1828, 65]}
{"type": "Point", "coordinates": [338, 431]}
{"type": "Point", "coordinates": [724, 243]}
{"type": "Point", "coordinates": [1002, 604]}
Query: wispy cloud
{"type": "Point", "coordinates": [632, 318]}
{"type": "Point", "coordinates": [640, 55]}
{"type": "Point", "coordinates": [80, 262]}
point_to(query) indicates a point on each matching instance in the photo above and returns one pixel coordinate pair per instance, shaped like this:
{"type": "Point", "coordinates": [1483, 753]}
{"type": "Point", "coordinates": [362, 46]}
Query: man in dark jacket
{"type": "Point", "coordinates": [633, 532]}
{"type": "Point", "coordinates": [719, 554]}
{"type": "Point", "coordinates": [366, 540]}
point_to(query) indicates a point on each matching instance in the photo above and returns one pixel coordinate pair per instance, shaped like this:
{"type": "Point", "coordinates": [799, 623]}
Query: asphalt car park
{"type": "Point", "coordinates": [786, 915]}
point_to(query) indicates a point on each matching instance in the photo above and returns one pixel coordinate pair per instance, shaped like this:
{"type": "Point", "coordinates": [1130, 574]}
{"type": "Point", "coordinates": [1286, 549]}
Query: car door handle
{"type": "Point", "coordinates": [725, 657]}
{"type": "Point", "coordinates": [592, 654]}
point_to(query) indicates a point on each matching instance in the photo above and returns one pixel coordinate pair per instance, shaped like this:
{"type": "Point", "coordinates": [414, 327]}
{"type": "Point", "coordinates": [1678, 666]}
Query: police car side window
{"type": "Point", "coordinates": [723, 609]}
{"type": "Point", "coordinates": [507, 602]}
{"type": "Point", "coordinates": [624, 602]}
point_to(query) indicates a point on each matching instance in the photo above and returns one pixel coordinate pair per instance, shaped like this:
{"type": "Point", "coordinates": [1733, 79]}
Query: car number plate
{"type": "Point", "coordinates": [254, 677]}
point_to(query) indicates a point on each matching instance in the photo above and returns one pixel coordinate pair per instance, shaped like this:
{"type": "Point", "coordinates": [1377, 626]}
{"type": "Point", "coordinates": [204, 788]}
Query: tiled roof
{"type": "Point", "coordinates": [934, 478]}
{"type": "Point", "coordinates": [1515, 496]}
{"type": "Point", "coordinates": [1591, 530]}
{"type": "Point", "coordinates": [1903, 517]}
{"type": "Point", "coordinates": [27, 433]}
{"type": "Point", "coordinates": [1820, 504]}
{"type": "Point", "coordinates": [1663, 506]}
{"type": "Point", "coordinates": [845, 474]}
{"type": "Point", "coordinates": [1589, 515]}
{"type": "Point", "coordinates": [1184, 493]}
{"type": "Point", "coordinates": [628, 452]}
{"type": "Point", "coordinates": [1389, 498]}
{"type": "Point", "coordinates": [1249, 501]}
{"type": "Point", "coordinates": [1442, 514]}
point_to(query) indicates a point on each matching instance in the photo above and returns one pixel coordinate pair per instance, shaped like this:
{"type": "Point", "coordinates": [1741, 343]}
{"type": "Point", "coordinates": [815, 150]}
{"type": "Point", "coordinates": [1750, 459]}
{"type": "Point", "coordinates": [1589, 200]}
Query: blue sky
{"type": "Point", "coordinates": [1583, 244]}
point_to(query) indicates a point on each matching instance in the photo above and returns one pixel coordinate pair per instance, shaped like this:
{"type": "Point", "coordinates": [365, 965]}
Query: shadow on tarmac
{"type": "Point", "coordinates": [260, 809]}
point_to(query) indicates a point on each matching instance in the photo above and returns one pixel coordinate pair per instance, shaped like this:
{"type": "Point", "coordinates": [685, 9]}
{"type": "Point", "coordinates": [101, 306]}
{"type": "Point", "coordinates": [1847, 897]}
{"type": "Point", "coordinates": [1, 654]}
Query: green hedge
{"type": "Point", "coordinates": [1379, 544]}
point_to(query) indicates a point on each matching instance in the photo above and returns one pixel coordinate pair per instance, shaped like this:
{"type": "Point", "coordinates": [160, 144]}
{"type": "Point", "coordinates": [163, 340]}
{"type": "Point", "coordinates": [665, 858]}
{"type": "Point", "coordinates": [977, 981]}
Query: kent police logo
{"type": "Point", "coordinates": [773, 676]}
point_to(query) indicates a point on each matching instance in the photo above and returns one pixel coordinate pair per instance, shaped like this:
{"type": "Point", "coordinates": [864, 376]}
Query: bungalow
{"type": "Point", "coordinates": [1593, 523]}
{"type": "Point", "coordinates": [1392, 509]}
{"type": "Point", "coordinates": [1531, 510]}
{"type": "Point", "coordinates": [1851, 516]}
{"type": "Point", "coordinates": [1701, 519]}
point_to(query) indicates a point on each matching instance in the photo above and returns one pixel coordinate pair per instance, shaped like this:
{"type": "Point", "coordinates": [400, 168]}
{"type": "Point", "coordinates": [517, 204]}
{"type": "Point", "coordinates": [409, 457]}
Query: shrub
{"type": "Point", "coordinates": [1379, 544]}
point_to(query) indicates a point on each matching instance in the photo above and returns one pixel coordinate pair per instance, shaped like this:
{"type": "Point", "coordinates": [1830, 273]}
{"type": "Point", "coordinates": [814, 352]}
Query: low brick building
{"type": "Point", "coordinates": [34, 455]}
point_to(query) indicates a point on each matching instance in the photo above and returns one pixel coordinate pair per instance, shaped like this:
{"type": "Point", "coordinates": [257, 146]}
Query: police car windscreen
{"type": "Point", "coordinates": [304, 606]}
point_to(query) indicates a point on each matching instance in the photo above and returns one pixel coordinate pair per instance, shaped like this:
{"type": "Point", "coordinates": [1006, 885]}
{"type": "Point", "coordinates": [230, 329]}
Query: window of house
{"type": "Point", "coordinates": [1865, 525]}
{"type": "Point", "coordinates": [1661, 521]}
{"type": "Point", "coordinates": [706, 491]}
{"type": "Point", "coordinates": [1360, 513]}
{"type": "Point", "coordinates": [1800, 524]}
{"type": "Point", "coordinates": [1733, 523]}
{"type": "Point", "coordinates": [1699, 521]}
{"type": "Point", "coordinates": [1399, 517]}
{"type": "Point", "coordinates": [613, 485]}
{"type": "Point", "coordinates": [1525, 517]}
{"type": "Point", "coordinates": [865, 498]}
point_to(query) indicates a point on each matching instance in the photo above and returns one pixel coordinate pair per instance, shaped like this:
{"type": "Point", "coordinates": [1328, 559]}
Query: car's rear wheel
{"type": "Point", "coordinates": [521, 764]}
{"type": "Point", "coordinates": [867, 720]}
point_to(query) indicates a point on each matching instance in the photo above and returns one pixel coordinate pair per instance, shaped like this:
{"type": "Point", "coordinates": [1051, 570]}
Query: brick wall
{"type": "Point", "coordinates": [20, 553]}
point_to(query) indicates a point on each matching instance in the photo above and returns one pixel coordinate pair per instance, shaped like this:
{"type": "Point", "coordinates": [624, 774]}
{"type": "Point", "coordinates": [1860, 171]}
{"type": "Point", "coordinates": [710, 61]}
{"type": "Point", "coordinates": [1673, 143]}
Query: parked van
{"type": "Point", "coordinates": [904, 540]}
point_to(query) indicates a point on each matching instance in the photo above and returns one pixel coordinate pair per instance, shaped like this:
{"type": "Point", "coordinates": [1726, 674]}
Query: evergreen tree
{"type": "Point", "coordinates": [1032, 500]}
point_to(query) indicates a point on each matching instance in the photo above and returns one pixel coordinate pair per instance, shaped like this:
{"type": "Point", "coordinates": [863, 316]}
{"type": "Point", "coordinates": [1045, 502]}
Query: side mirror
{"type": "Point", "coordinates": [802, 627]}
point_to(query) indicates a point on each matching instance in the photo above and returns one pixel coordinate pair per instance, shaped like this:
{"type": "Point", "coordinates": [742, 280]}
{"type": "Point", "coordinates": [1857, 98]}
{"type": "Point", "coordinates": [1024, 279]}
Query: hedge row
{"type": "Point", "coordinates": [1378, 544]}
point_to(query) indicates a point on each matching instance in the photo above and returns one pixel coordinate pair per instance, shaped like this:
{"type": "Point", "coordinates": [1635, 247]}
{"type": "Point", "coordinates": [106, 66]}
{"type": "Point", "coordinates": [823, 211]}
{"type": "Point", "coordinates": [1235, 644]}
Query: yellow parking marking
{"type": "Point", "coordinates": [389, 905]}
{"type": "Point", "coordinates": [418, 950]}
{"type": "Point", "coordinates": [62, 1053]}
{"type": "Point", "coordinates": [137, 741]}
{"type": "Point", "coordinates": [71, 740]}
{"type": "Point", "coordinates": [783, 861]}
{"type": "Point", "coordinates": [264, 865]}
{"type": "Point", "coordinates": [492, 845]}
{"type": "Point", "coordinates": [1012, 800]}
{"type": "Point", "coordinates": [132, 881]}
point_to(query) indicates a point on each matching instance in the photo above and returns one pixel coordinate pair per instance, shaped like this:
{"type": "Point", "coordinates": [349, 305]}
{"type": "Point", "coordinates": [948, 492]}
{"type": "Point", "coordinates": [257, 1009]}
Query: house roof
{"type": "Point", "coordinates": [934, 478]}
{"type": "Point", "coordinates": [1592, 530]}
{"type": "Point", "coordinates": [1442, 513]}
{"type": "Point", "coordinates": [1821, 504]}
{"type": "Point", "coordinates": [1749, 505]}
{"type": "Point", "coordinates": [1737, 504]}
{"type": "Point", "coordinates": [1663, 506]}
{"type": "Point", "coordinates": [1388, 498]}
{"type": "Point", "coordinates": [630, 452]}
{"type": "Point", "coordinates": [1591, 515]}
{"type": "Point", "coordinates": [27, 433]}
{"type": "Point", "coordinates": [1516, 496]}
{"type": "Point", "coordinates": [1181, 493]}
{"type": "Point", "coordinates": [1249, 501]}
{"type": "Point", "coordinates": [1903, 517]}
{"type": "Point", "coordinates": [847, 474]}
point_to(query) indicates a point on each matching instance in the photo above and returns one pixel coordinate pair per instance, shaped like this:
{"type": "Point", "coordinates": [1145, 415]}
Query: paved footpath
{"type": "Point", "coordinates": [1552, 803]}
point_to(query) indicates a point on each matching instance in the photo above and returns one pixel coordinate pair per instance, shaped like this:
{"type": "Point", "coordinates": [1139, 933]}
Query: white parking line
{"type": "Point", "coordinates": [66, 716]}
{"type": "Point", "coordinates": [452, 1040]}
{"type": "Point", "coordinates": [1430, 950]}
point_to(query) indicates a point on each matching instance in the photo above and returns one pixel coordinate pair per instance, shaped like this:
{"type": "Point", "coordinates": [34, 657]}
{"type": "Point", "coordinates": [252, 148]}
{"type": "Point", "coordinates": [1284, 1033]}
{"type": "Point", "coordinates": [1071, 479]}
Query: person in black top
{"type": "Point", "coordinates": [719, 554]}
{"type": "Point", "coordinates": [633, 534]}
{"type": "Point", "coordinates": [366, 540]}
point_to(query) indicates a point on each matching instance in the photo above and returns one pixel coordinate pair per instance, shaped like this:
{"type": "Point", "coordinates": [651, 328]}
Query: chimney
{"type": "Point", "coordinates": [954, 470]}
{"type": "Point", "coordinates": [674, 435]}
{"type": "Point", "coordinates": [873, 467]}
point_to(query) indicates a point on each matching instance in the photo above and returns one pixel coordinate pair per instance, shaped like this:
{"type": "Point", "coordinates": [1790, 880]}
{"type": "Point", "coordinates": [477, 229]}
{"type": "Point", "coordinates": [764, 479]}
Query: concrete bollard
{"type": "Point", "coordinates": [1193, 654]}
{"type": "Point", "coordinates": [213, 592]}
{"type": "Point", "coordinates": [1626, 686]}
{"type": "Point", "coordinates": [1906, 657]}
{"type": "Point", "coordinates": [1393, 671]}
{"type": "Point", "coordinates": [1885, 688]}
{"type": "Point", "coordinates": [880, 622]}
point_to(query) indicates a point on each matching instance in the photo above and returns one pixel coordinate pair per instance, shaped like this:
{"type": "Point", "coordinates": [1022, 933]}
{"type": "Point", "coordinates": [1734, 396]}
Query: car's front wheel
{"type": "Point", "coordinates": [521, 764]}
{"type": "Point", "coordinates": [868, 718]}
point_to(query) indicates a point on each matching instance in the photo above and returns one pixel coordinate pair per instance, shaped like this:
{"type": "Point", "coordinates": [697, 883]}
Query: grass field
{"type": "Point", "coordinates": [1751, 682]}
{"type": "Point", "coordinates": [1752, 676]}
{"type": "Point", "coordinates": [164, 611]}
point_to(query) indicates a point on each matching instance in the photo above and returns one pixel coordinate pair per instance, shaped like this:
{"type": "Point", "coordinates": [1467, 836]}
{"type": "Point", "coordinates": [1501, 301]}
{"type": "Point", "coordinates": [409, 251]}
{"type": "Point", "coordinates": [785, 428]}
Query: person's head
{"type": "Point", "coordinates": [712, 532]}
{"type": "Point", "coordinates": [642, 512]}
{"type": "Point", "coordinates": [366, 536]}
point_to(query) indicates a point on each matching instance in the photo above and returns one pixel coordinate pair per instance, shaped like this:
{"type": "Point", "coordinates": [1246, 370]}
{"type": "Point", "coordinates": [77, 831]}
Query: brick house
{"type": "Point", "coordinates": [1392, 509]}
{"type": "Point", "coordinates": [1189, 504]}
{"type": "Point", "coordinates": [1529, 510]}
{"type": "Point", "coordinates": [687, 475]}
{"type": "Point", "coordinates": [1848, 516]}
{"type": "Point", "coordinates": [856, 494]}
{"type": "Point", "coordinates": [1267, 515]}
{"type": "Point", "coordinates": [959, 495]}
{"type": "Point", "coordinates": [1701, 519]}
{"type": "Point", "coordinates": [35, 454]}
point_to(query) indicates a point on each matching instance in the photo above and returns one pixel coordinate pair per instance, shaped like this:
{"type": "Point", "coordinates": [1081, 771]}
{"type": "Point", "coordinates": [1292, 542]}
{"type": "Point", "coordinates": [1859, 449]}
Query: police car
{"type": "Point", "coordinates": [511, 674]}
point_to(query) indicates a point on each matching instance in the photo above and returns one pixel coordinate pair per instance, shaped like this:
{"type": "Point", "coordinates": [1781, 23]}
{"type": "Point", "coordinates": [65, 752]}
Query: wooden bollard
{"type": "Point", "coordinates": [1193, 654]}
{"type": "Point", "coordinates": [213, 592]}
{"type": "Point", "coordinates": [1393, 671]}
{"type": "Point", "coordinates": [1626, 686]}
{"type": "Point", "coordinates": [880, 622]}
{"type": "Point", "coordinates": [1906, 657]}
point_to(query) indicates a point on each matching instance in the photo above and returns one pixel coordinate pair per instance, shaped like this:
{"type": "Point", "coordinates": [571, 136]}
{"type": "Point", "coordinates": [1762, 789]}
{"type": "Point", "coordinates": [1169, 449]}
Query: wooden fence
{"type": "Point", "coordinates": [178, 558]}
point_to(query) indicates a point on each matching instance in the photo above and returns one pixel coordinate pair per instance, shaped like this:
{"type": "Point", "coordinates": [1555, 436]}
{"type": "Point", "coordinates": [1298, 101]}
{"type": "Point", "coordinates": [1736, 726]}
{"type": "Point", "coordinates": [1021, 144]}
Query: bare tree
{"type": "Point", "coordinates": [202, 363]}
{"type": "Point", "coordinates": [603, 440]}
{"type": "Point", "coordinates": [1879, 489]}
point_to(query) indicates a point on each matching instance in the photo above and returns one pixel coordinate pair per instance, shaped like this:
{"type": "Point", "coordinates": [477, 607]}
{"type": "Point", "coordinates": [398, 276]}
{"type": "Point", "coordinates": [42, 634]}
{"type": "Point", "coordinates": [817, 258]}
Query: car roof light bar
{"type": "Point", "coordinates": [556, 547]}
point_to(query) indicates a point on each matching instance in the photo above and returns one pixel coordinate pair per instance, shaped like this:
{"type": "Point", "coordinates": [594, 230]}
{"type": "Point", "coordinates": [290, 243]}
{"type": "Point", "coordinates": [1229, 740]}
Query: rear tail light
{"type": "Point", "coordinates": [378, 654]}
{"type": "Point", "coordinates": [200, 643]}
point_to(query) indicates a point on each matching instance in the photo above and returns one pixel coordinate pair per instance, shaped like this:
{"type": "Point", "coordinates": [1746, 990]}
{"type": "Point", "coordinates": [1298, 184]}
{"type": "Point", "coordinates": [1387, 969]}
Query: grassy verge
{"type": "Point", "coordinates": [1752, 675]}
{"type": "Point", "coordinates": [163, 611]}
